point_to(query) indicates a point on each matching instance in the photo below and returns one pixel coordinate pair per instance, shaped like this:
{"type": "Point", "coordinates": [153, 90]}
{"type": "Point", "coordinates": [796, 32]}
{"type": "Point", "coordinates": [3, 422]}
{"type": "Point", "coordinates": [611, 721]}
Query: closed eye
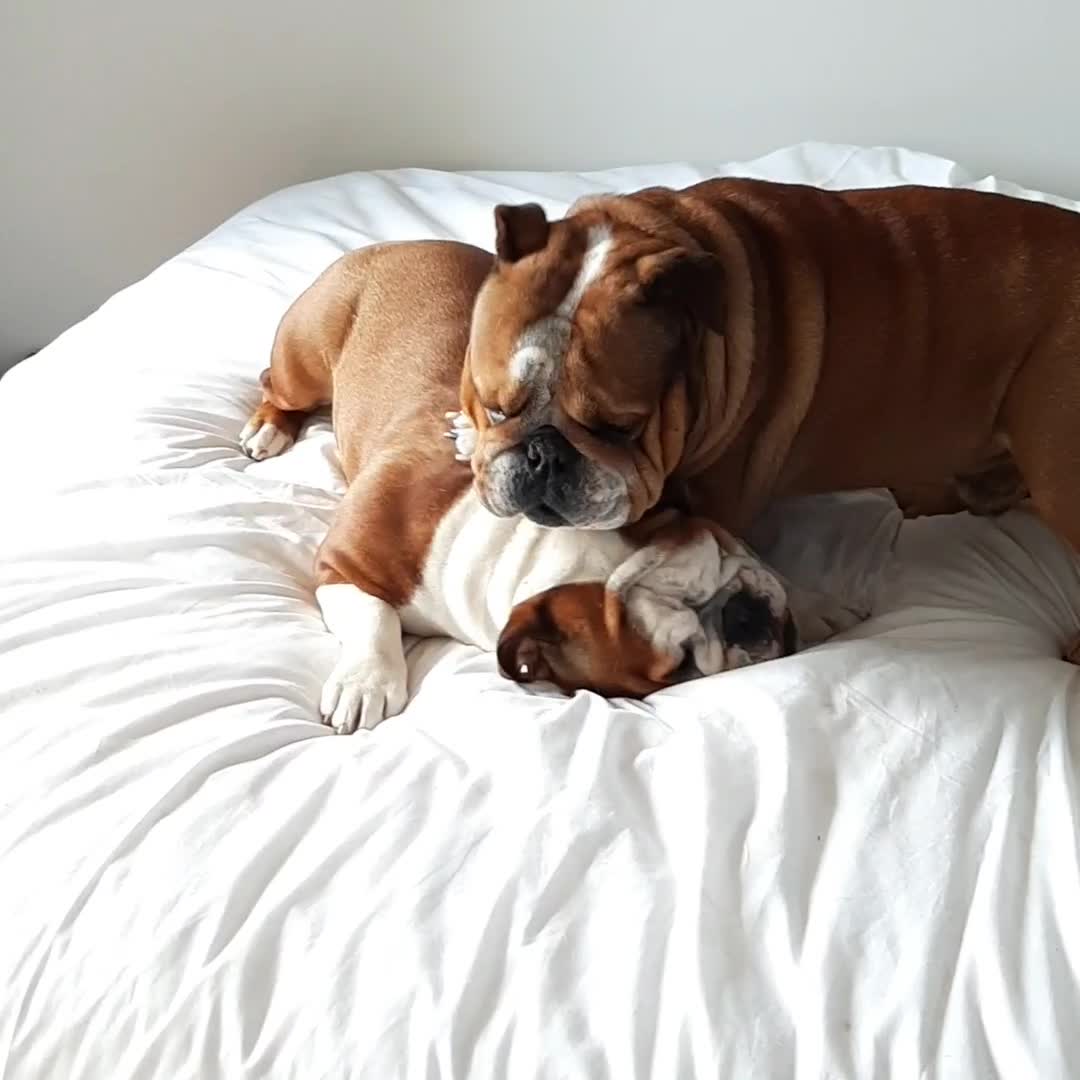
{"type": "Point", "coordinates": [616, 432]}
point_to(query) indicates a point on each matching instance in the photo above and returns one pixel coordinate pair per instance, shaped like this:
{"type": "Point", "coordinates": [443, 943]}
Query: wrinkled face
{"type": "Point", "coordinates": [666, 616]}
{"type": "Point", "coordinates": [573, 380]}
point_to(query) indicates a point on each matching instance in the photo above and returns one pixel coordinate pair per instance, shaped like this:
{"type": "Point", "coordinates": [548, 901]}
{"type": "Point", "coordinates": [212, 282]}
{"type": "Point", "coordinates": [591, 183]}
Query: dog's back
{"type": "Point", "coordinates": [390, 324]}
{"type": "Point", "coordinates": [409, 330]}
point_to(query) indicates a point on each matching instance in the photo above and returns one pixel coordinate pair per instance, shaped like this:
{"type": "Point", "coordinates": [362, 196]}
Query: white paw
{"type": "Point", "coordinates": [261, 440]}
{"type": "Point", "coordinates": [464, 435]}
{"type": "Point", "coordinates": [362, 692]}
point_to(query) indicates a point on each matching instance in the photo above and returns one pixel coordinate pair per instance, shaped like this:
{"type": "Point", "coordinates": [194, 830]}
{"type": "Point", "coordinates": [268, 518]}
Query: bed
{"type": "Point", "coordinates": [861, 861]}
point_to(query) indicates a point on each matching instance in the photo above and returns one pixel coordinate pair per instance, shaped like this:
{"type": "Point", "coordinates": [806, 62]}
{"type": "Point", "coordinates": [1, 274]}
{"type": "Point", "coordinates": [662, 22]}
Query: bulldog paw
{"type": "Point", "coordinates": [269, 432]}
{"type": "Point", "coordinates": [463, 435]}
{"type": "Point", "coordinates": [363, 692]}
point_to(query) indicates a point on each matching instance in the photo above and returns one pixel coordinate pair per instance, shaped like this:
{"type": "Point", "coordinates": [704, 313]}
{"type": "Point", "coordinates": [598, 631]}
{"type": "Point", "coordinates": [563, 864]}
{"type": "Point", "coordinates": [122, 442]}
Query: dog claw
{"type": "Point", "coordinates": [463, 434]}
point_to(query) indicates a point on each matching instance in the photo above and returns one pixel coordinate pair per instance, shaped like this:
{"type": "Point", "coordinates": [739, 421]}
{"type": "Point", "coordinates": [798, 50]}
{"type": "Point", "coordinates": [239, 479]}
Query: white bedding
{"type": "Point", "coordinates": [858, 862]}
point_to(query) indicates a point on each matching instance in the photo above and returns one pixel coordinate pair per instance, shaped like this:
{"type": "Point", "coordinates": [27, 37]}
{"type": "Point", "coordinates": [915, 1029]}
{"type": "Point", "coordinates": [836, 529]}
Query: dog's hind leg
{"type": "Point", "coordinates": [991, 486]}
{"type": "Point", "coordinates": [299, 379]}
{"type": "Point", "coordinates": [1041, 416]}
{"type": "Point", "coordinates": [270, 430]}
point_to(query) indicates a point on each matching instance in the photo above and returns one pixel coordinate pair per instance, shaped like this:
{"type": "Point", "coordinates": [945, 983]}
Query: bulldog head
{"type": "Point", "coordinates": [575, 379]}
{"type": "Point", "coordinates": [688, 604]}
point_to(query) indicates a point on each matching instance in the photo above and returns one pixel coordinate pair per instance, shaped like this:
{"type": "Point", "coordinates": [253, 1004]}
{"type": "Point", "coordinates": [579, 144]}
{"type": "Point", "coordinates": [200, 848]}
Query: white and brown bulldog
{"type": "Point", "coordinates": [382, 336]}
{"type": "Point", "coordinates": [739, 341]}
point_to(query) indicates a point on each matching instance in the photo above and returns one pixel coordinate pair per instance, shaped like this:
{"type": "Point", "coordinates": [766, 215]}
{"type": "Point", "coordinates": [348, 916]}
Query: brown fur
{"type": "Point", "coordinates": [921, 339]}
{"type": "Point", "coordinates": [382, 335]}
{"type": "Point", "coordinates": [895, 337]}
{"type": "Point", "coordinates": [579, 638]}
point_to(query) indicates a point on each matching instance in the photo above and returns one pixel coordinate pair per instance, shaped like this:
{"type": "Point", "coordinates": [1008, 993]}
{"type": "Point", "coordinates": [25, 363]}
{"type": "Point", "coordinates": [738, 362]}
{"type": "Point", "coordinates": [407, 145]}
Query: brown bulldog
{"type": "Point", "coordinates": [381, 335]}
{"type": "Point", "coordinates": [740, 340]}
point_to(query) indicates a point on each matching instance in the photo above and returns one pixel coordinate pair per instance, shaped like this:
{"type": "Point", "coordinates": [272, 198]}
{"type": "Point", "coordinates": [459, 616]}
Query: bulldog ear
{"type": "Point", "coordinates": [521, 658]}
{"type": "Point", "coordinates": [521, 645]}
{"type": "Point", "coordinates": [692, 280]}
{"type": "Point", "coordinates": [520, 231]}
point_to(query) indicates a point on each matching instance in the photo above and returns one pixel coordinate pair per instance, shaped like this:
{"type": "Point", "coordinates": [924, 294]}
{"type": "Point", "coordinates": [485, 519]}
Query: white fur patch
{"type": "Point", "coordinates": [693, 573]}
{"type": "Point", "coordinates": [598, 245]}
{"type": "Point", "coordinates": [260, 440]}
{"type": "Point", "coordinates": [664, 589]}
{"type": "Point", "coordinates": [479, 566]}
{"type": "Point", "coordinates": [533, 359]}
{"type": "Point", "coordinates": [539, 352]}
{"type": "Point", "coordinates": [370, 680]}
{"type": "Point", "coordinates": [661, 587]}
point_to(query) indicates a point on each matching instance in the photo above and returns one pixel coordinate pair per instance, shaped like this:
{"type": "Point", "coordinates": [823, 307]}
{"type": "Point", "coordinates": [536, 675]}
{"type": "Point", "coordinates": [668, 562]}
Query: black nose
{"type": "Point", "coordinates": [747, 619]}
{"type": "Point", "coordinates": [548, 453]}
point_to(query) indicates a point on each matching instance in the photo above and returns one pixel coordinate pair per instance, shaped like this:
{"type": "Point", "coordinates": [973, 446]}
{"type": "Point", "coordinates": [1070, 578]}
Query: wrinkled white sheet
{"type": "Point", "coordinates": [858, 862]}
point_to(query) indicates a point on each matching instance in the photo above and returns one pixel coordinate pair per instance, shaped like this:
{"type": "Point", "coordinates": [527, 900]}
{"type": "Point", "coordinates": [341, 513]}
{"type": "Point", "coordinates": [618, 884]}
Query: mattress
{"type": "Point", "coordinates": [861, 861]}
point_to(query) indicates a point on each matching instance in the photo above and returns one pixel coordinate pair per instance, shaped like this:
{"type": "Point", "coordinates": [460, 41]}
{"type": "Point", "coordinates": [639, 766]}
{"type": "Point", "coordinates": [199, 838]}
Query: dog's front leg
{"type": "Point", "coordinates": [370, 680]}
{"type": "Point", "coordinates": [362, 573]}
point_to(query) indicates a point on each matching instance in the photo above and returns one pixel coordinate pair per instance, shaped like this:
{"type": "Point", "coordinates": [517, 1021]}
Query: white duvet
{"type": "Point", "coordinates": [858, 862]}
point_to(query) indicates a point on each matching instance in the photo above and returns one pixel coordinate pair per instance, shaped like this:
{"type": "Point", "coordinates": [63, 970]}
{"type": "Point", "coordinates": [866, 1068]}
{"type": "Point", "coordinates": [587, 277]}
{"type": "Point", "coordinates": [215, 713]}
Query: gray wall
{"type": "Point", "coordinates": [130, 127]}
